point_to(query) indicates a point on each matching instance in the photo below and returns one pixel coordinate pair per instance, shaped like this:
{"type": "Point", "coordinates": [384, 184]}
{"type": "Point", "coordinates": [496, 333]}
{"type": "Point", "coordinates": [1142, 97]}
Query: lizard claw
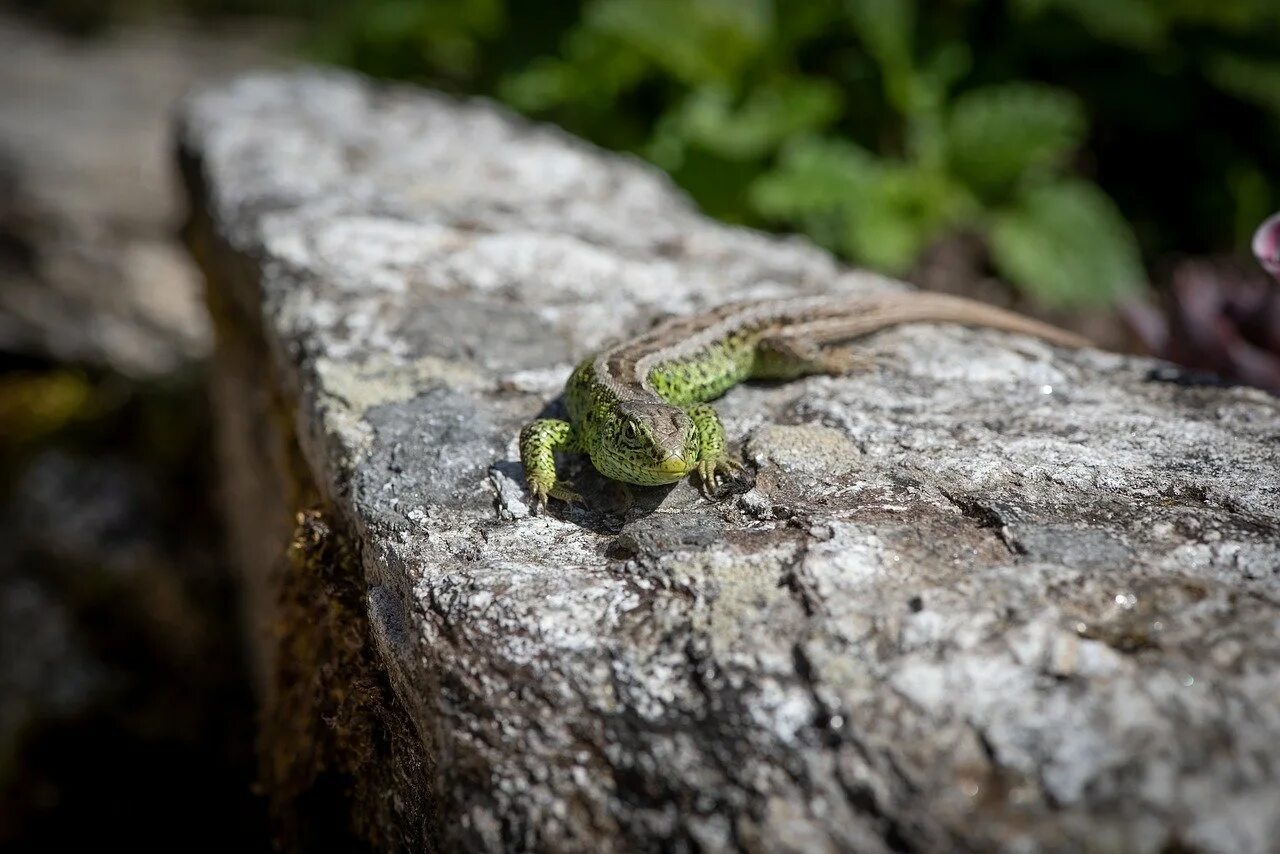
{"type": "Point", "coordinates": [558, 490]}
{"type": "Point", "coordinates": [539, 493]}
{"type": "Point", "coordinates": [709, 471]}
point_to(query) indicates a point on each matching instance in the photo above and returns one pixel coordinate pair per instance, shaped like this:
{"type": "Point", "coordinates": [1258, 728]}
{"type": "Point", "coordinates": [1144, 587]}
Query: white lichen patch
{"type": "Point", "coordinates": [349, 390]}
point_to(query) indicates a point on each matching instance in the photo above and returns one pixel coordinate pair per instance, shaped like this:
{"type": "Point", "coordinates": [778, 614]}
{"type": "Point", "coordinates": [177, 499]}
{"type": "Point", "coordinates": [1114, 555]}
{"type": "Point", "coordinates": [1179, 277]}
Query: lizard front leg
{"type": "Point", "coordinates": [712, 459]}
{"type": "Point", "coordinates": [539, 440]}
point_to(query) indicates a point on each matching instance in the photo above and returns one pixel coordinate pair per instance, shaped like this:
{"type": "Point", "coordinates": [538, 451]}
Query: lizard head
{"type": "Point", "coordinates": [647, 444]}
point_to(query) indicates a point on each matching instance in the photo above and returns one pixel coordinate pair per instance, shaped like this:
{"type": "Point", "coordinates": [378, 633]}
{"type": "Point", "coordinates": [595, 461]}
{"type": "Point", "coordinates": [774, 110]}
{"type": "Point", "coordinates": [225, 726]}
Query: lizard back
{"type": "Point", "coordinates": [688, 359]}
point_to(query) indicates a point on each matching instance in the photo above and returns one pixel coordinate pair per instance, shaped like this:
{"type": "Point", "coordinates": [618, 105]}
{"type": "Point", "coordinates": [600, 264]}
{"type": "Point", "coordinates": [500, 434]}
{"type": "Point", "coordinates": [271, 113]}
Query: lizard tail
{"type": "Point", "coordinates": [868, 314]}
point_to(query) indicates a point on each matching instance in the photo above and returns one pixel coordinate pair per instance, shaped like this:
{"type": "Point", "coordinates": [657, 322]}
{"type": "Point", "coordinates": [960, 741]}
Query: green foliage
{"type": "Point", "coordinates": [1061, 236]}
{"type": "Point", "coordinates": [551, 83]}
{"type": "Point", "coordinates": [877, 129]}
{"type": "Point", "coordinates": [877, 210]}
{"type": "Point", "coordinates": [886, 28]}
{"type": "Point", "coordinates": [815, 175]}
{"type": "Point", "coordinates": [1062, 239]}
{"type": "Point", "coordinates": [412, 38]}
{"type": "Point", "coordinates": [712, 119]}
{"type": "Point", "coordinates": [881, 126]}
{"type": "Point", "coordinates": [1075, 137]}
{"type": "Point", "coordinates": [988, 161]}
{"type": "Point", "coordinates": [737, 107]}
{"type": "Point", "coordinates": [1256, 80]}
{"type": "Point", "coordinates": [1150, 23]}
{"type": "Point", "coordinates": [997, 134]}
{"type": "Point", "coordinates": [695, 41]}
{"type": "Point", "coordinates": [1134, 23]}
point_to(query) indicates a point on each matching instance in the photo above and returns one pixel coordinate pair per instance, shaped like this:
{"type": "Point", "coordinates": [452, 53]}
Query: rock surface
{"type": "Point", "coordinates": [988, 595]}
{"type": "Point", "coordinates": [89, 207]}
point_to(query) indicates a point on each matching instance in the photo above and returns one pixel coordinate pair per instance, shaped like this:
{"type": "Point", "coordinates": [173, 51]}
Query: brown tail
{"type": "Point", "coordinates": [871, 313]}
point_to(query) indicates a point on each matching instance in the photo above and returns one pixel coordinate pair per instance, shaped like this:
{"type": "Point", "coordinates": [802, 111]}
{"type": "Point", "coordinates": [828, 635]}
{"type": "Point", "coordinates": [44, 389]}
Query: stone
{"type": "Point", "coordinates": [89, 206]}
{"type": "Point", "coordinates": [987, 595]}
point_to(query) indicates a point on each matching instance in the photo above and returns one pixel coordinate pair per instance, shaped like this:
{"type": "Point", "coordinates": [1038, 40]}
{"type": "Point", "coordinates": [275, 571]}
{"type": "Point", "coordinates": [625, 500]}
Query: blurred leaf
{"type": "Point", "coordinates": [902, 210]}
{"type": "Point", "coordinates": [920, 94]}
{"type": "Point", "coordinates": [1134, 23]}
{"type": "Point", "coordinates": [1256, 80]}
{"type": "Point", "coordinates": [547, 82]}
{"type": "Point", "coordinates": [810, 19]}
{"type": "Point", "coordinates": [696, 41]}
{"type": "Point", "coordinates": [769, 114]}
{"type": "Point", "coordinates": [594, 72]}
{"type": "Point", "coordinates": [813, 175]}
{"type": "Point", "coordinates": [886, 27]}
{"type": "Point", "coordinates": [34, 405]}
{"type": "Point", "coordinates": [887, 210]}
{"type": "Point", "coordinates": [398, 37]}
{"type": "Point", "coordinates": [1067, 243]}
{"type": "Point", "coordinates": [998, 133]}
{"type": "Point", "coordinates": [719, 185]}
{"type": "Point", "coordinates": [885, 238]}
{"type": "Point", "coordinates": [1251, 16]}
{"type": "Point", "coordinates": [1252, 200]}
{"type": "Point", "coordinates": [887, 30]}
{"type": "Point", "coordinates": [947, 66]}
{"type": "Point", "coordinates": [887, 226]}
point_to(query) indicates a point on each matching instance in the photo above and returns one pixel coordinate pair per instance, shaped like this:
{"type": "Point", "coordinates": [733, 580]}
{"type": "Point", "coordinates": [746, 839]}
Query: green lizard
{"type": "Point", "coordinates": [640, 411]}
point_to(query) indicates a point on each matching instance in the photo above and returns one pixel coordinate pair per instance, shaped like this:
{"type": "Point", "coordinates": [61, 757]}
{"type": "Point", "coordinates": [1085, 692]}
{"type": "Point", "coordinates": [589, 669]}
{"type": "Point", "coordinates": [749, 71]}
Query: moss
{"type": "Point", "coordinates": [341, 763]}
{"type": "Point", "coordinates": [342, 766]}
{"type": "Point", "coordinates": [334, 743]}
{"type": "Point", "coordinates": [34, 405]}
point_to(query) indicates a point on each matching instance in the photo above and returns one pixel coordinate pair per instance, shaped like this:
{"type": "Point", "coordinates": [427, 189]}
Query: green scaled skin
{"type": "Point", "coordinates": [647, 444]}
{"type": "Point", "coordinates": [639, 410]}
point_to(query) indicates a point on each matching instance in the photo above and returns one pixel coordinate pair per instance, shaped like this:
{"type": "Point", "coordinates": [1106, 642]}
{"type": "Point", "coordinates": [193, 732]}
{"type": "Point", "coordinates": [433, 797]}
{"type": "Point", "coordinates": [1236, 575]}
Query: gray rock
{"type": "Point", "coordinates": [987, 595]}
{"type": "Point", "coordinates": [89, 209]}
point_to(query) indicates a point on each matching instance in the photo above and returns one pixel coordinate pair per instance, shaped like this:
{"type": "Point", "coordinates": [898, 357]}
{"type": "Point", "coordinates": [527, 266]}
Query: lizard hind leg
{"type": "Point", "coordinates": [788, 357]}
{"type": "Point", "coordinates": [539, 440]}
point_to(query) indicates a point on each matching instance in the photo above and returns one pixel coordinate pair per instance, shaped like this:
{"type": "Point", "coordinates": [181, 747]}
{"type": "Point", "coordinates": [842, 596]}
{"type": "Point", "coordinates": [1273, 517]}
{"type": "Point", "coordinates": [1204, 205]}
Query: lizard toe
{"type": "Point", "coordinates": [729, 466]}
{"type": "Point", "coordinates": [709, 472]}
{"type": "Point", "coordinates": [539, 492]}
{"type": "Point", "coordinates": [565, 493]}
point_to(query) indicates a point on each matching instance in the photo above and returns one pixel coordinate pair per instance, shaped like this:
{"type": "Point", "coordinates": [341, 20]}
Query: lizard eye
{"type": "Point", "coordinates": [630, 432]}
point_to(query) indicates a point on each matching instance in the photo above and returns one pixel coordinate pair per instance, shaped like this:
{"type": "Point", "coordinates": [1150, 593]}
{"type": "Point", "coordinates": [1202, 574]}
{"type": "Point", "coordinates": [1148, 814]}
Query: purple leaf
{"type": "Point", "coordinates": [1266, 245]}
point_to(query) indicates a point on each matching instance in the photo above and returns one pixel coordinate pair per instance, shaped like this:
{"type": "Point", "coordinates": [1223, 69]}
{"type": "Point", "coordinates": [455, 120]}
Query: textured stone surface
{"type": "Point", "coordinates": [89, 208]}
{"type": "Point", "coordinates": [989, 594]}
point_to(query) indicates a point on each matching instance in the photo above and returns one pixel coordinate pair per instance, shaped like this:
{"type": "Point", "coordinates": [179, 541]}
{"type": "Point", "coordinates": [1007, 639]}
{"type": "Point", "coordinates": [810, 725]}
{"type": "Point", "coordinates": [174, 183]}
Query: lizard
{"type": "Point", "coordinates": [640, 409]}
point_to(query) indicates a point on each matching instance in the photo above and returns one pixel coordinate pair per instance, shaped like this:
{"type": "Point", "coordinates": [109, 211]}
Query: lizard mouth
{"type": "Point", "coordinates": [673, 466]}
